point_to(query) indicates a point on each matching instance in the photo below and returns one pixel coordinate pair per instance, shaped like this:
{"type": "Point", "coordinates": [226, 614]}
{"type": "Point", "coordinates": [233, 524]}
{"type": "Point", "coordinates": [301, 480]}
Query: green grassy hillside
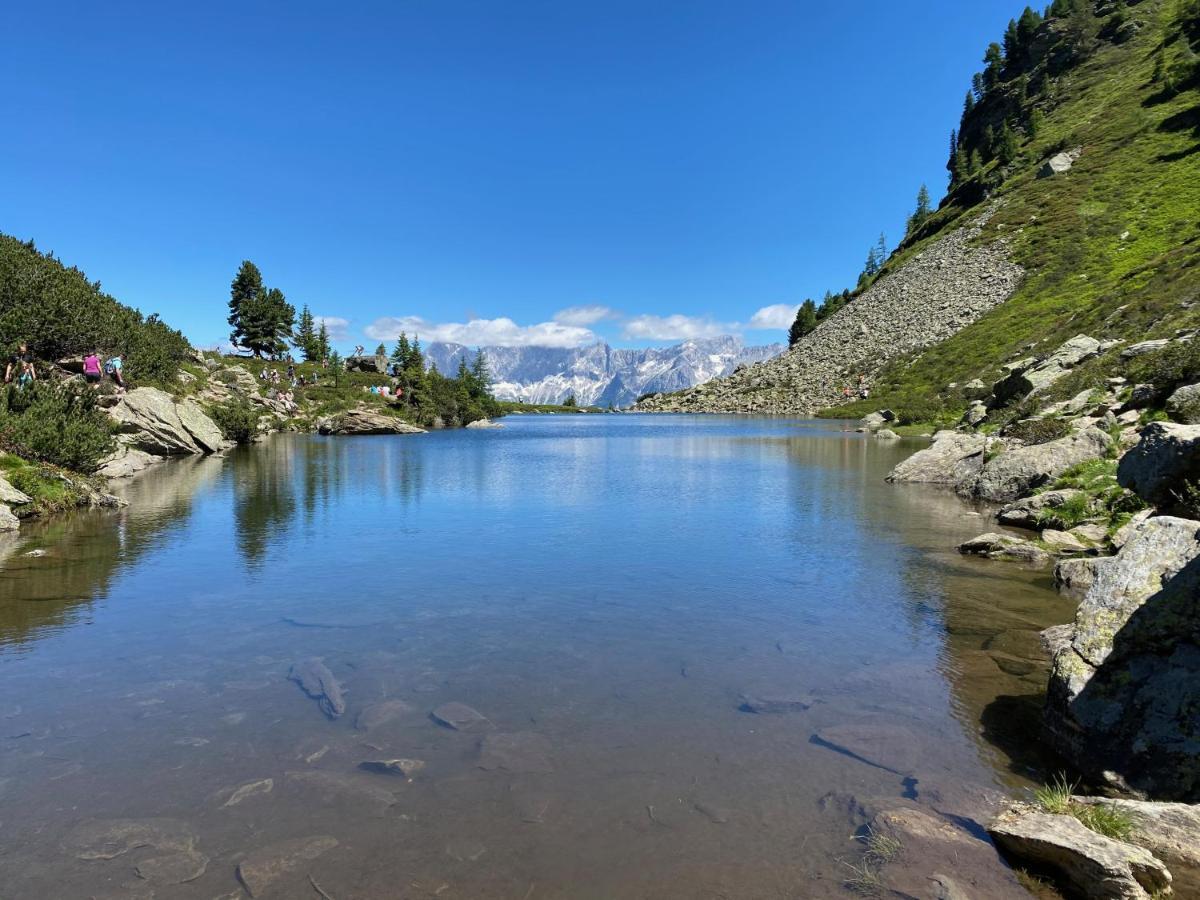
{"type": "Point", "coordinates": [1112, 247]}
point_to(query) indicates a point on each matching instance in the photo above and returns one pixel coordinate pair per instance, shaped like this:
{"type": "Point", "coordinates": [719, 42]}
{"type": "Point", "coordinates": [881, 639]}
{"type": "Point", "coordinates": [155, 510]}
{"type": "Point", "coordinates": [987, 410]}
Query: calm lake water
{"type": "Point", "coordinates": [605, 587]}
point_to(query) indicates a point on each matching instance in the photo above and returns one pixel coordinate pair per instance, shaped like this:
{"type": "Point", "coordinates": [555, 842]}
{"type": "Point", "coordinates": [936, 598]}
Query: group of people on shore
{"type": "Point", "coordinates": [22, 371]}
{"type": "Point", "coordinates": [294, 379]}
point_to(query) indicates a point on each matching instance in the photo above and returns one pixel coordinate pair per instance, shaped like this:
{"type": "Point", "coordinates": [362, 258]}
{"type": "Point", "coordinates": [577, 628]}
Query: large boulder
{"type": "Point", "coordinates": [366, 421]}
{"type": "Point", "coordinates": [1017, 472]}
{"type": "Point", "coordinates": [204, 431]}
{"type": "Point", "coordinates": [1184, 404]}
{"type": "Point", "coordinates": [8, 522]}
{"type": "Point", "coordinates": [1125, 679]}
{"type": "Point", "coordinates": [125, 461]}
{"type": "Point", "coordinates": [1157, 466]}
{"type": "Point", "coordinates": [151, 418]}
{"type": "Point", "coordinates": [1095, 866]}
{"type": "Point", "coordinates": [952, 459]}
{"type": "Point", "coordinates": [10, 495]}
{"type": "Point", "coordinates": [1060, 163]}
{"type": "Point", "coordinates": [375, 362]}
{"type": "Point", "coordinates": [1032, 376]}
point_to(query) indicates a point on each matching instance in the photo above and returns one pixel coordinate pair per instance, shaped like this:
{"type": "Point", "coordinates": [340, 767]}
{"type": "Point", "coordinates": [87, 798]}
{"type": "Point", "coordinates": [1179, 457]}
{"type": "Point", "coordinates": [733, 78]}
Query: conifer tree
{"type": "Point", "coordinates": [480, 373]}
{"type": "Point", "coordinates": [806, 321]}
{"type": "Point", "coordinates": [381, 350]}
{"type": "Point", "coordinates": [1006, 145]}
{"type": "Point", "coordinates": [922, 211]}
{"type": "Point", "coordinates": [401, 350]}
{"type": "Point", "coordinates": [994, 58]}
{"type": "Point", "coordinates": [306, 335]}
{"type": "Point", "coordinates": [246, 286]}
{"type": "Point", "coordinates": [261, 317]}
{"type": "Point", "coordinates": [323, 342]}
{"type": "Point", "coordinates": [968, 105]}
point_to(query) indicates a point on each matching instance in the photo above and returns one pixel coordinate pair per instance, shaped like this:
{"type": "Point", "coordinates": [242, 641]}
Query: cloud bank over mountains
{"type": "Point", "coordinates": [571, 327]}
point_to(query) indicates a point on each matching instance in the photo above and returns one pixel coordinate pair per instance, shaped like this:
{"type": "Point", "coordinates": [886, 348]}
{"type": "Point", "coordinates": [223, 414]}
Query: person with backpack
{"type": "Point", "coordinates": [112, 367]}
{"type": "Point", "coordinates": [20, 366]}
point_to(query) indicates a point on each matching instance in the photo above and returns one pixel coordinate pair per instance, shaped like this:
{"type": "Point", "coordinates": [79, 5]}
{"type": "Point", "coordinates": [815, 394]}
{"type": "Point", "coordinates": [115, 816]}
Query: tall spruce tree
{"type": "Point", "coordinates": [261, 317]}
{"type": "Point", "coordinates": [323, 342]}
{"type": "Point", "coordinates": [922, 212]}
{"type": "Point", "coordinates": [1006, 144]}
{"type": "Point", "coordinates": [306, 335]}
{"type": "Point", "coordinates": [246, 286]}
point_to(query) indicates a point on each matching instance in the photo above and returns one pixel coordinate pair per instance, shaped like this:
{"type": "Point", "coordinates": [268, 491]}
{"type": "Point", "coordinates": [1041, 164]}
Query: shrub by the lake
{"type": "Point", "coordinates": [55, 423]}
{"type": "Point", "coordinates": [237, 419]}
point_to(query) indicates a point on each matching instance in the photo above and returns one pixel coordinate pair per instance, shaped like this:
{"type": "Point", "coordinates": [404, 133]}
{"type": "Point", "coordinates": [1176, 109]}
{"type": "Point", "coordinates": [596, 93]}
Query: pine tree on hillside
{"type": "Point", "coordinates": [968, 105]}
{"type": "Point", "coordinates": [806, 321]}
{"type": "Point", "coordinates": [994, 60]}
{"type": "Point", "coordinates": [923, 210]}
{"type": "Point", "coordinates": [1006, 145]}
{"type": "Point", "coordinates": [480, 372]}
{"type": "Point", "coordinates": [381, 350]}
{"type": "Point", "coordinates": [401, 350]}
{"type": "Point", "coordinates": [881, 250]}
{"type": "Point", "coordinates": [246, 286]}
{"type": "Point", "coordinates": [262, 319]}
{"type": "Point", "coordinates": [306, 335]}
{"type": "Point", "coordinates": [323, 342]}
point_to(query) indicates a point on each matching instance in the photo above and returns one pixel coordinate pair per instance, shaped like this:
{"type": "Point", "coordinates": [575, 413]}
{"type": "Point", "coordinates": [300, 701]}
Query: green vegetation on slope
{"type": "Point", "coordinates": [1112, 247]}
{"type": "Point", "coordinates": [60, 313]}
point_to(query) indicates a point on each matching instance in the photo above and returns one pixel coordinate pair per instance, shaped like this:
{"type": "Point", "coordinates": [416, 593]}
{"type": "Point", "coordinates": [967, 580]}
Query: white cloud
{"type": "Point", "coordinates": [337, 327]}
{"type": "Point", "coordinates": [502, 332]}
{"type": "Point", "coordinates": [583, 316]}
{"type": "Point", "coordinates": [780, 316]}
{"type": "Point", "coordinates": [674, 328]}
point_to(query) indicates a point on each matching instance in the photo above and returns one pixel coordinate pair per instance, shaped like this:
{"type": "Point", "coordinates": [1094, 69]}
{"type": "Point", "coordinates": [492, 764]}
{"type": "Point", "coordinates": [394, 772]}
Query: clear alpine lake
{"type": "Point", "coordinates": [613, 595]}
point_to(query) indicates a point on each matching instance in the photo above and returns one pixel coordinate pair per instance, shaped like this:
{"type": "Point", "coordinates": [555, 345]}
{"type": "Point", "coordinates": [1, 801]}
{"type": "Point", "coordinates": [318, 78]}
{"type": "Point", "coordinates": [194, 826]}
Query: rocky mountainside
{"type": "Point", "coordinates": [1075, 180]}
{"type": "Point", "coordinates": [600, 375]}
{"type": "Point", "coordinates": [940, 291]}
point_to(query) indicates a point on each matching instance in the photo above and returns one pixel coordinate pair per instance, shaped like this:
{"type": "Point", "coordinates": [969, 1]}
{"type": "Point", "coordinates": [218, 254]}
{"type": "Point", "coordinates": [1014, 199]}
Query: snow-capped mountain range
{"type": "Point", "coordinates": [600, 375]}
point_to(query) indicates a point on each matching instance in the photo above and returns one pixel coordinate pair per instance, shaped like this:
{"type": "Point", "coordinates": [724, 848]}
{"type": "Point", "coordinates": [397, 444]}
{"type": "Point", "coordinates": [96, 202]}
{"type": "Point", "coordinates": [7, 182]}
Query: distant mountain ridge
{"type": "Point", "coordinates": [599, 375]}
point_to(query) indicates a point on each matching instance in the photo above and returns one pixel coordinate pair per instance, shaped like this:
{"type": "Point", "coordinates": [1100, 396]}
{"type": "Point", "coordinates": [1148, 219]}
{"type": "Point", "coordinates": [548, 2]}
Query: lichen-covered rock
{"type": "Point", "coordinates": [1125, 687]}
{"type": "Point", "coordinates": [994, 545]}
{"type": "Point", "coordinates": [952, 459]}
{"type": "Point", "coordinates": [1017, 472]}
{"type": "Point", "coordinates": [1184, 405]}
{"type": "Point", "coordinates": [151, 419]}
{"type": "Point", "coordinates": [1030, 377]}
{"type": "Point", "coordinates": [10, 495]}
{"type": "Point", "coordinates": [1074, 577]}
{"type": "Point", "coordinates": [366, 421]}
{"type": "Point", "coordinates": [204, 431]}
{"type": "Point", "coordinates": [1096, 866]}
{"type": "Point", "coordinates": [1166, 456]}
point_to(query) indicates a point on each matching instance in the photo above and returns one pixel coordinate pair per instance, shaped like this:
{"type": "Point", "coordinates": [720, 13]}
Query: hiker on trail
{"type": "Point", "coordinates": [112, 367]}
{"type": "Point", "coordinates": [20, 366]}
{"type": "Point", "coordinates": [91, 369]}
{"type": "Point", "coordinates": [358, 349]}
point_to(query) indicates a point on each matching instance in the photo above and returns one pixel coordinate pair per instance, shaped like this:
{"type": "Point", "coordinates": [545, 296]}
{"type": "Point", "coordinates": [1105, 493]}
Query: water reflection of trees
{"type": "Point", "coordinates": [264, 500]}
{"type": "Point", "coordinates": [87, 550]}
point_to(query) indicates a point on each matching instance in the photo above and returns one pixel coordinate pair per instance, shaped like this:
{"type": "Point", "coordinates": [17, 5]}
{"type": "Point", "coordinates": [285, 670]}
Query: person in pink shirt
{"type": "Point", "coordinates": [91, 368]}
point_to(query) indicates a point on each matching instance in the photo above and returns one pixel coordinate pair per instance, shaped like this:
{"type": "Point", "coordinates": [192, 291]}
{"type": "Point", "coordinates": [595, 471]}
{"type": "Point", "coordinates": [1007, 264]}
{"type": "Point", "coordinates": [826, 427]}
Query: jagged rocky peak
{"type": "Point", "coordinates": [601, 375]}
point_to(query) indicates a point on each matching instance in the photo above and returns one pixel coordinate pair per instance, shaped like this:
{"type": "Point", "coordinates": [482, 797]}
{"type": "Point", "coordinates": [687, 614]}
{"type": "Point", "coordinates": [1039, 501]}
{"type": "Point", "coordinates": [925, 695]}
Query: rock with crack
{"type": "Point", "coordinates": [1125, 678]}
{"type": "Point", "coordinates": [1171, 831]}
{"type": "Point", "coordinates": [361, 420]}
{"type": "Point", "coordinates": [264, 867]}
{"type": "Point", "coordinates": [1074, 577]}
{"type": "Point", "coordinates": [318, 682]}
{"type": "Point", "coordinates": [1095, 866]}
{"type": "Point", "coordinates": [155, 423]}
{"type": "Point", "coordinates": [995, 545]}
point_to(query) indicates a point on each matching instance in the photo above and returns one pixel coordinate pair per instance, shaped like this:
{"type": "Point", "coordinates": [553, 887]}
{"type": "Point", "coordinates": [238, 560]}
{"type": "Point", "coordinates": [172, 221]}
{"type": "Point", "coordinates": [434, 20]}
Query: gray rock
{"type": "Point", "coordinates": [1144, 347]}
{"type": "Point", "coordinates": [110, 838]}
{"type": "Point", "coordinates": [377, 363]}
{"type": "Point", "coordinates": [262, 868]}
{"type": "Point", "coordinates": [366, 421]}
{"type": "Point", "coordinates": [1122, 535]}
{"type": "Point", "coordinates": [1017, 472]}
{"type": "Point", "coordinates": [995, 545]}
{"type": "Point", "coordinates": [1060, 163]}
{"type": "Point", "coordinates": [318, 682]}
{"type": "Point", "coordinates": [1032, 377]}
{"type": "Point", "coordinates": [522, 752]}
{"type": "Point", "coordinates": [976, 414]}
{"type": "Point", "coordinates": [151, 418]}
{"type": "Point", "coordinates": [886, 434]}
{"type": "Point", "coordinates": [1156, 467]}
{"type": "Point", "coordinates": [1074, 577]}
{"type": "Point", "coordinates": [774, 703]}
{"type": "Point", "coordinates": [1124, 688]}
{"type": "Point", "coordinates": [976, 389]}
{"type": "Point", "coordinates": [1063, 542]}
{"type": "Point", "coordinates": [245, 791]}
{"type": "Point", "coordinates": [1168, 830]}
{"type": "Point", "coordinates": [172, 868]}
{"type": "Point", "coordinates": [10, 495]}
{"type": "Point", "coordinates": [204, 431]}
{"type": "Point", "coordinates": [1183, 405]}
{"type": "Point", "coordinates": [125, 461]}
{"type": "Point", "coordinates": [1142, 396]}
{"type": "Point", "coordinates": [460, 717]}
{"type": "Point", "coordinates": [952, 459]}
{"type": "Point", "coordinates": [8, 522]}
{"type": "Point", "coordinates": [1029, 511]}
{"type": "Point", "coordinates": [403, 767]}
{"type": "Point", "coordinates": [1094, 865]}
{"type": "Point", "coordinates": [871, 421]}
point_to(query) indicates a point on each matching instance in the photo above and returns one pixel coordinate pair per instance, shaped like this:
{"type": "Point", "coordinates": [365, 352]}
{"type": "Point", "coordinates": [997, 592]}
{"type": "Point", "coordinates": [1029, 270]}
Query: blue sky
{"type": "Point", "coordinates": [513, 172]}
